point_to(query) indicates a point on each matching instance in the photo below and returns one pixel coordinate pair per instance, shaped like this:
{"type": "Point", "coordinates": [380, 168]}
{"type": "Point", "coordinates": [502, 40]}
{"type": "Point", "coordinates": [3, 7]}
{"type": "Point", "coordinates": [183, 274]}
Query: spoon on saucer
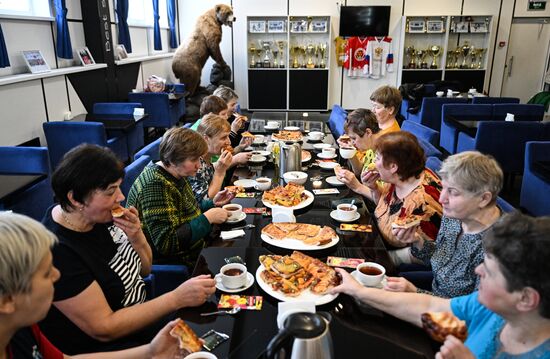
{"type": "Point", "coordinates": [223, 312]}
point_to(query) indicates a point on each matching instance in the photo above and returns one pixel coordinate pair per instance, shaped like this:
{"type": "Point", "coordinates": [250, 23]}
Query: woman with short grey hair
{"type": "Point", "coordinates": [235, 119]}
{"type": "Point", "coordinates": [471, 183]}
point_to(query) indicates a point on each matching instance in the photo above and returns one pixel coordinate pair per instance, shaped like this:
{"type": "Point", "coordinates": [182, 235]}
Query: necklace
{"type": "Point", "coordinates": [71, 224]}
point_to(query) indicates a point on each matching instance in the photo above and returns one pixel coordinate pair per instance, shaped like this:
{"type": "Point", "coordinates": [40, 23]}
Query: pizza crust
{"type": "Point", "coordinates": [441, 324]}
{"type": "Point", "coordinates": [188, 340]}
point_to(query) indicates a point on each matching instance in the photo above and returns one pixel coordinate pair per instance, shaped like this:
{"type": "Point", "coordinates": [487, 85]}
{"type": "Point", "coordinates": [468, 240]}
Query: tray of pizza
{"type": "Point", "coordinates": [297, 277]}
{"type": "Point", "coordinates": [299, 236]}
{"type": "Point", "coordinates": [288, 136]}
{"type": "Point", "coordinates": [291, 196]}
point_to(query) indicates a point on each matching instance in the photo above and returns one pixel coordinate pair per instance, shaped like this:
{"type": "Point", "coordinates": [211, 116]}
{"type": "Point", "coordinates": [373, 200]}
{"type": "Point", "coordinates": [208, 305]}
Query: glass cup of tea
{"type": "Point", "coordinates": [234, 211]}
{"type": "Point", "coordinates": [346, 212]}
{"type": "Point", "coordinates": [370, 274]}
{"type": "Point", "coordinates": [232, 275]}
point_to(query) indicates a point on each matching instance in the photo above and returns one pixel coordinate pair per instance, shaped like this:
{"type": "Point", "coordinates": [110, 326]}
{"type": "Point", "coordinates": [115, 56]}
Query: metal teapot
{"type": "Point", "coordinates": [308, 336]}
{"type": "Point", "coordinates": [290, 157]}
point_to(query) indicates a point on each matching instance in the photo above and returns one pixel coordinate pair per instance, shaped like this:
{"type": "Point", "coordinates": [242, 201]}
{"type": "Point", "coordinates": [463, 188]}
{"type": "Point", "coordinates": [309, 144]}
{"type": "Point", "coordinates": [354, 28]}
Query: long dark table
{"type": "Point", "coordinates": [112, 122]}
{"type": "Point", "coordinates": [356, 328]}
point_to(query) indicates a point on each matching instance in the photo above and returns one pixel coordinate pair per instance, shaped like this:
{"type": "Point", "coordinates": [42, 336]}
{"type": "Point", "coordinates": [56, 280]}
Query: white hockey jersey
{"type": "Point", "coordinates": [379, 56]}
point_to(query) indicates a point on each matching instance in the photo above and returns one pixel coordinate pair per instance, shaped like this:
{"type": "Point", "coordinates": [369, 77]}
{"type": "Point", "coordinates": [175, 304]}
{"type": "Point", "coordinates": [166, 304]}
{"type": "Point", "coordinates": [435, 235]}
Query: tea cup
{"type": "Point", "coordinates": [259, 138]}
{"type": "Point", "coordinates": [329, 151]}
{"type": "Point", "coordinates": [316, 135]}
{"type": "Point", "coordinates": [232, 275]}
{"type": "Point", "coordinates": [272, 124]}
{"type": "Point", "coordinates": [346, 212]}
{"type": "Point", "coordinates": [263, 183]}
{"type": "Point", "coordinates": [439, 93]}
{"type": "Point", "coordinates": [347, 152]}
{"type": "Point", "coordinates": [370, 274]}
{"type": "Point", "coordinates": [234, 211]}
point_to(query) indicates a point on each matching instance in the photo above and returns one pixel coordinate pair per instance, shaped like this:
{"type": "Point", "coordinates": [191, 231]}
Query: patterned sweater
{"type": "Point", "coordinates": [170, 216]}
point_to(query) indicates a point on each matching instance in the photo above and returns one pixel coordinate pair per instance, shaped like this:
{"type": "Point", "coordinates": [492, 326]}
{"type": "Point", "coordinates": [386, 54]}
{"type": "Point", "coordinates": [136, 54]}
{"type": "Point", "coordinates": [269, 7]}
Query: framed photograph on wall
{"type": "Point", "coordinates": [85, 56]}
{"type": "Point", "coordinates": [256, 26]}
{"type": "Point", "coordinates": [434, 26]}
{"type": "Point", "coordinates": [319, 26]}
{"type": "Point", "coordinates": [35, 61]}
{"type": "Point", "coordinates": [478, 26]}
{"type": "Point", "coordinates": [417, 26]}
{"type": "Point", "coordinates": [276, 26]}
{"type": "Point", "coordinates": [298, 26]}
{"type": "Point", "coordinates": [120, 52]}
{"type": "Point", "coordinates": [461, 27]}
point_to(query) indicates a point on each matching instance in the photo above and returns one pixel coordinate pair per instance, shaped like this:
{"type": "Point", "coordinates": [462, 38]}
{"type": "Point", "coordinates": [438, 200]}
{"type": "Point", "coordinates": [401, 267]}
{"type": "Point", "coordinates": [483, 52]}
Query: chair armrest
{"type": "Point", "coordinates": [465, 143]}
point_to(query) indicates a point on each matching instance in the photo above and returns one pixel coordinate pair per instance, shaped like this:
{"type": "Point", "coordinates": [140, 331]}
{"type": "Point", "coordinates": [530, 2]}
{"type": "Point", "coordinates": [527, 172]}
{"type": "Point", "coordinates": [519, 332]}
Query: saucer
{"type": "Point", "coordinates": [261, 153]}
{"type": "Point", "coordinates": [249, 282]}
{"type": "Point", "coordinates": [242, 217]}
{"type": "Point", "coordinates": [326, 157]}
{"type": "Point", "coordinates": [292, 128]}
{"type": "Point", "coordinates": [334, 215]}
{"type": "Point", "coordinates": [334, 181]}
{"type": "Point", "coordinates": [245, 183]}
{"type": "Point", "coordinates": [320, 146]}
{"type": "Point", "coordinates": [379, 286]}
{"type": "Point", "coordinates": [271, 128]}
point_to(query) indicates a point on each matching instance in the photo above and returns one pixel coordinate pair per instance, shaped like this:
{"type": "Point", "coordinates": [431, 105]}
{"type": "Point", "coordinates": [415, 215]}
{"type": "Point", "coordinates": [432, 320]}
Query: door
{"type": "Point", "coordinates": [527, 58]}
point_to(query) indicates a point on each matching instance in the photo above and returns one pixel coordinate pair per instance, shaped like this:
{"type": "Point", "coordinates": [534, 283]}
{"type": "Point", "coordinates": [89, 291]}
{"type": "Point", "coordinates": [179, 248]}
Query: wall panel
{"type": "Point", "coordinates": [432, 7]}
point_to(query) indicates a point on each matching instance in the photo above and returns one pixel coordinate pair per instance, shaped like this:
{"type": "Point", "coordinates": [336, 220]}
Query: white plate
{"type": "Point", "coordinates": [249, 282]}
{"type": "Point", "coordinates": [334, 215]}
{"type": "Point", "coordinates": [320, 146]}
{"type": "Point", "coordinates": [245, 183]}
{"type": "Point", "coordinates": [260, 159]}
{"type": "Point", "coordinates": [326, 157]}
{"type": "Point", "coordinates": [292, 128]}
{"type": "Point", "coordinates": [379, 286]}
{"type": "Point", "coordinates": [295, 244]}
{"type": "Point", "coordinates": [271, 127]}
{"type": "Point", "coordinates": [242, 217]}
{"type": "Point", "coordinates": [300, 205]}
{"type": "Point", "coordinates": [306, 295]}
{"type": "Point", "coordinates": [333, 180]}
{"type": "Point", "coordinates": [327, 165]}
{"type": "Point", "coordinates": [261, 153]}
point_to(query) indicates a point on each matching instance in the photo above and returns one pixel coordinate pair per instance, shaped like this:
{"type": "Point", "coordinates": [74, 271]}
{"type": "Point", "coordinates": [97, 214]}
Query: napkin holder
{"type": "Point", "coordinates": [283, 215]}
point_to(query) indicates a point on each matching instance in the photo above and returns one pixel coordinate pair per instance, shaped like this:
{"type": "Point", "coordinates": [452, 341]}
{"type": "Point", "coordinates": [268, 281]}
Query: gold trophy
{"type": "Point", "coordinates": [465, 49]}
{"type": "Point", "coordinates": [410, 51]}
{"type": "Point", "coordinates": [480, 53]}
{"type": "Point", "coordinates": [449, 59]}
{"type": "Point", "coordinates": [281, 46]}
{"type": "Point", "coordinates": [252, 50]}
{"type": "Point", "coordinates": [310, 50]}
{"type": "Point", "coordinates": [302, 52]}
{"type": "Point", "coordinates": [275, 57]}
{"type": "Point", "coordinates": [458, 52]}
{"type": "Point", "coordinates": [422, 58]}
{"type": "Point", "coordinates": [434, 51]}
{"type": "Point", "coordinates": [266, 61]}
{"type": "Point", "coordinates": [322, 52]}
{"type": "Point", "coordinates": [294, 50]}
{"type": "Point", "coordinates": [473, 56]}
{"type": "Point", "coordinates": [309, 25]}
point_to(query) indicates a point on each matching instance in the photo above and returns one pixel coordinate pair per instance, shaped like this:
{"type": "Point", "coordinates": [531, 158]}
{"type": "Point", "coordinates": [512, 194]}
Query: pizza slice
{"type": "Point", "coordinates": [407, 221]}
{"type": "Point", "coordinates": [371, 167]}
{"type": "Point", "coordinates": [247, 134]}
{"type": "Point", "coordinates": [188, 340]}
{"type": "Point", "coordinates": [273, 231]}
{"type": "Point", "coordinates": [117, 211]}
{"type": "Point", "coordinates": [356, 227]}
{"type": "Point", "coordinates": [234, 189]}
{"type": "Point", "coordinates": [441, 324]}
{"type": "Point", "coordinates": [308, 230]}
{"type": "Point", "coordinates": [229, 149]}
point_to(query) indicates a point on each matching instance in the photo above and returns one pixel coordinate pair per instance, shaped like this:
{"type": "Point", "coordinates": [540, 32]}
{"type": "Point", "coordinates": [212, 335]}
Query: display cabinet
{"type": "Point", "coordinates": [288, 59]}
{"type": "Point", "coordinates": [451, 48]}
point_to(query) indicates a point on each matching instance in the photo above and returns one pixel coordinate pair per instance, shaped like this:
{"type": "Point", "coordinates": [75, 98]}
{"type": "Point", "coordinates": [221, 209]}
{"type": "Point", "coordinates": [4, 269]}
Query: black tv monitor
{"type": "Point", "coordinates": [364, 20]}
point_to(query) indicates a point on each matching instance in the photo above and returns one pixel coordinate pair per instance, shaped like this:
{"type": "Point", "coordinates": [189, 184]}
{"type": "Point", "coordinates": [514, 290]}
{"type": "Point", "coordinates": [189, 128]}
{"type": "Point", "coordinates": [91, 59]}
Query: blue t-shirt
{"type": "Point", "coordinates": [484, 328]}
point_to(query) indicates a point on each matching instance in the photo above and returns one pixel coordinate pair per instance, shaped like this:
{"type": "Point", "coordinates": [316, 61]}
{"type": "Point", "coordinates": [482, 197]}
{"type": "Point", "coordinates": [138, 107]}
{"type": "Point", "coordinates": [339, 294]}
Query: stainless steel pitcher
{"type": "Point", "coordinates": [290, 157]}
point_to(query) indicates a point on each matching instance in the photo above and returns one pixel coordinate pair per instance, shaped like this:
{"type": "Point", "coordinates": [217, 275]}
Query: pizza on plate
{"type": "Point", "coordinates": [284, 135]}
{"type": "Point", "coordinates": [234, 189]}
{"type": "Point", "coordinates": [441, 324]}
{"type": "Point", "coordinates": [310, 234]}
{"type": "Point", "coordinates": [188, 340]}
{"type": "Point", "coordinates": [306, 156]}
{"type": "Point", "coordinates": [287, 196]}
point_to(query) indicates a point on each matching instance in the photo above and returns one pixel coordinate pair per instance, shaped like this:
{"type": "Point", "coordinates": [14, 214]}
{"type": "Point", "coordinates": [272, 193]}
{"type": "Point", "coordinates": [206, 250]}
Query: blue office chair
{"type": "Point", "coordinates": [132, 172]}
{"type": "Point", "coordinates": [134, 138]}
{"type": "Point", "coordinates": [168, 277]}
{"type": "Point", "coordinates": [336, 121]}
{"type": "Point", "coordinates": [429, 149]}
{"type": "Point", "coordinates": [162, 112]}
{"type": "Point", "coordinates": [421, 132]}
{"type": "Point", "coordinates": [151, 150]}
{"type": "Point", "coordinates": [478, 100]}
{"type": "Point", "coordinates": [505, 141]}
{"type": "Point", "coordinates": [63, 136]}
{"type": "Point", "coordinates": [535, 188]}
{"type": "Point", "coordinates": [35, 200]}
{"type": "Point", "coordinates": [449, 133]}
{"type": "Point", "coordinates": [433, 163]}
{"type": "Point", "coordinates": [430, 111]}
{"type": "Point", "coordinates": [522, 112]}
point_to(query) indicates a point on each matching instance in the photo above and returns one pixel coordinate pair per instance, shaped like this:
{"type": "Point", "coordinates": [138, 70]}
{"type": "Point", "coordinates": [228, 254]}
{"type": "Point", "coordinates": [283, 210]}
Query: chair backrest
{"type": "Point", "coordinates": [63, 136]}
{"type": "Point", "coordinates": [151, 150]}
{"type": "Point", "coordinates": [24, 160]}
{"type": "Point", "coordinates": [420, 131]}
{"type": "Point", "coordinates": [505, 141]}
{"type": "Point", "coordinates": [504, 205]}
{"type": "Point", "coordinates": [429, 149]}
{"type": "Point", "coordinates": [336, 120]}
{"type": "Point", "coordinates": [156, 105]}
{"type": "Point", "coordinates": [492, 100]}
{"type": "Point", "coordinates": [522, 112]}
{"type": "Point", "coordinates": [468, 111]}
{"type": "Point", "coordinates": [131, 173]}
{"type": "Point", "coordinates": [430, 113]}
{"type": "Point", "coordinates": [434, 163]}
{"type": "Point", "coordinates": [115, 108]}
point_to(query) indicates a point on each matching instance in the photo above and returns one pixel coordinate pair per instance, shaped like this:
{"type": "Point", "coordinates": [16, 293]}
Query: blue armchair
{"type": "Point", "coordinates": [163, 113]}
{"type": "Point", "coordinates": [135, 137]}
{"type": "Point", "coordinates": [433, 163]}
{"type": "Point", "coordinates": [336, 121]}
{"type": "Point", "coordinates": [522, 112]}
{"type": "Point", "coordinates": [535, 188]}
{"type": "Point", "coordinates": [421, 132]}
{"type": "Point", "coordinates": [505, 141]}
{"type": "Point", "coordinates": [63, 136]}
{"type": "Point", "coordinates": [430, 111]}
{"type": "Point", "coordinates": [168, 277]}
{"type": "Point", "coordinates": [131, 173]}
{"type": "Point", "coordinates": [449, 133]}
{"type": "Point", "coordinates": [151, 150]}
{"type": "Point", "coordinates": [34, 201]}
{"type": "Point", "coordinates": [493, 100]}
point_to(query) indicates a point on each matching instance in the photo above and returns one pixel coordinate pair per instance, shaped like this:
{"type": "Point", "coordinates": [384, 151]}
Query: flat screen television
{"type": "Point", "coordinates": [364, 20]}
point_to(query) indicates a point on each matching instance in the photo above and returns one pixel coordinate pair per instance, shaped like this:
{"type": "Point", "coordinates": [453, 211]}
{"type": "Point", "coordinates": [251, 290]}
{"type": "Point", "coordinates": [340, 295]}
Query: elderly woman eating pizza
{"type": "Point", "coordinates": [100, 297]}
{"type": "Point", "coordinates": [173, 220]}
{"type": "Point", "coordinates": [471, 183]}
{"type": "Point", "coordinates": [409, 191]}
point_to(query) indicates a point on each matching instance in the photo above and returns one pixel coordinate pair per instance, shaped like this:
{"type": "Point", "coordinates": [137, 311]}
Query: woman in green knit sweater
{"type": "Point", "coordinates": [173, 221]}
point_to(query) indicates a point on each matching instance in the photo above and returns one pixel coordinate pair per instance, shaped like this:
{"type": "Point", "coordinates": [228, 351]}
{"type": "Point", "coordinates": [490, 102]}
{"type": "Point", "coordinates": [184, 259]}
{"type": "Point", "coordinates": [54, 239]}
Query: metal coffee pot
{"type": "Point", "coordinates": [290, 157]}
{"type": "Point", "coordinates": [304, 336]}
